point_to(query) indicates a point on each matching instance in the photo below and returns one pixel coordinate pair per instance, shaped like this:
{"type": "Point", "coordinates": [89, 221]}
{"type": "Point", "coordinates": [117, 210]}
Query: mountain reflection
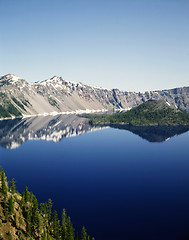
{"type": "Point", "coordinates": [15, 132]}
{"type": "Point", "coordinates": [154, 133]}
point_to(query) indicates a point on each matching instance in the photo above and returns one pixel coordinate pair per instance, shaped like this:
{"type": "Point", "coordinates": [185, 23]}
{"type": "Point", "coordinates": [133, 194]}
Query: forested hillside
{"type": "Point", "coordinates": [21, 217]}
{"type": "Point", "coordinates": [150, 113]}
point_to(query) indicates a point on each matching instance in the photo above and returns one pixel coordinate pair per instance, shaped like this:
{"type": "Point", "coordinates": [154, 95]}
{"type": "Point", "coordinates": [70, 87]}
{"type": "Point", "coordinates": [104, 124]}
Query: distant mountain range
{"type": "Point", "coordinates": [55, 95]}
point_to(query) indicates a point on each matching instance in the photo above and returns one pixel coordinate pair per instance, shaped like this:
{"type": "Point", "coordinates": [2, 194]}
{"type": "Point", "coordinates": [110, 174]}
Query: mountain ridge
{"type": "Point", "coordinates": [149, 113]}
{"type": "Point", "coordinates": [56, 96]}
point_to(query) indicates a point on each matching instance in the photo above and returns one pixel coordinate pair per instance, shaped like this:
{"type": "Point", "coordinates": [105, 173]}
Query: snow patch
{"type": "Point", "coordinates": [79, 111]}
{"type": "Point", "coordinates": [14, 145]}
{"type": "Point", "coordinates": [168, 104]}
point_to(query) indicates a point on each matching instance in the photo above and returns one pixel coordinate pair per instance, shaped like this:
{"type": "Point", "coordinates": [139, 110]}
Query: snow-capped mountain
{"type": "Point", "coordinates": [55, 95]}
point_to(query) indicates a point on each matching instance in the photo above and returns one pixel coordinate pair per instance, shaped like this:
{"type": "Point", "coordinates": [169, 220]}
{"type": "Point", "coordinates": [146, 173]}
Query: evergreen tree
{"type": "Point", "coordinates": [44, 210]}
{"type": "Point", "coordinates": [83, 234]}
{"type": "Point", "coordinates": [3, 184]}
{"type": "Point", "coordinates": [5, 208]}
{"type": "Point", "coordinates": [22, 203]}
{"type": "Point", "coordinates": [13, 187]}
{"type": "Point", "coordinates": [26, 195]}
{"type": "Point", "coordinates": [41, 207]}
{"type": "Point", "coordinates": [39, 222]}
{"type": "Point", "coordinates": [35, 219]}
{"type": "Point", "coordinates": [63, 217]}
{"type": "Point", "coordinates": [56, 226]}
{"type": "Point", "coordinates": [31, 197]}
{"type": "Point", "coordinates": [70, 229]}
{"type": "Point", "coordinates": [49, 208]}
{"type": "Point", "coordinates": [63, 228]}
{"type": "Point", "coordinates": [28, 221]}
{"type": "Point", "coordinates": [10, 206]}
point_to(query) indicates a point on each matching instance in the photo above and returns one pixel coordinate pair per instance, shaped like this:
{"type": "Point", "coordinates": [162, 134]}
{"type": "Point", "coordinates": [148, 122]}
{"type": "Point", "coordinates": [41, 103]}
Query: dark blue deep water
{"type": "Point", "coordinates": [117, 184]}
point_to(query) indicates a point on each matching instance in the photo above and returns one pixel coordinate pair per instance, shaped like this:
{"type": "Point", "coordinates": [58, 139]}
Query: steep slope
{"type": "Point", "coordinates": [50, 96]}
{"type": "Point", "coordinates": [177, 97]}
{"type": "Point", "coordinates": [55, 95]}
{"type": "Point", "coordinates": [21, 217]}
{"type": "Point", "coordinates": [150, 113]}
{"type": "Point", "coordinates": [22, 96]}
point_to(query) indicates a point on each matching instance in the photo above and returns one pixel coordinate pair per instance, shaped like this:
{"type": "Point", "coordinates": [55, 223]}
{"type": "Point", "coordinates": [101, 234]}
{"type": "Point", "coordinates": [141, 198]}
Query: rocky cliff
{"type": "Point", "coordinates": [55, 95]}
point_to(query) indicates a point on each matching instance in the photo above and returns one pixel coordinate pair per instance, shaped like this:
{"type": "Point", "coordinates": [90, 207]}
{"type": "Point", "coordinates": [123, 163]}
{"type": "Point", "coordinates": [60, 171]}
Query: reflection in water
{"type": "Point", "coordinates": [137, 188]}
{"type": "Point", "coordinates": [155, 133]}
{"type": "Point", "coordinates": [15, 132]}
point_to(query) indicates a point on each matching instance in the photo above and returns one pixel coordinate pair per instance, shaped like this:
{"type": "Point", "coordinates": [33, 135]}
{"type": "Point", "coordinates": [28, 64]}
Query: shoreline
{"type": "Point", "coordinates": [79, 111]}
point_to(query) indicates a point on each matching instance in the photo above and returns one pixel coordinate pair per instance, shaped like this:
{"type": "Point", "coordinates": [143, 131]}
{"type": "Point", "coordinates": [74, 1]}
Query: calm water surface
{"type": "Point", "coordinates": [117, 184]}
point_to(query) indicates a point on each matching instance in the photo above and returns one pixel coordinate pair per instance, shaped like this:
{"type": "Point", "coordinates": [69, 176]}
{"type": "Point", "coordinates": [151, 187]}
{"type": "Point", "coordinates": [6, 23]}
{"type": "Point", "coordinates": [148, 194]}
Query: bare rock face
{"type": "Point", "coordinates": [178, 97]}
{"type": "Point", "coordinates": [55, 95]}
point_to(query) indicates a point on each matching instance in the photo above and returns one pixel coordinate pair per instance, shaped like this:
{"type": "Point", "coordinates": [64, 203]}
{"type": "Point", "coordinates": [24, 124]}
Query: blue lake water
{"type": "Point", "coordinates": [117, 184]}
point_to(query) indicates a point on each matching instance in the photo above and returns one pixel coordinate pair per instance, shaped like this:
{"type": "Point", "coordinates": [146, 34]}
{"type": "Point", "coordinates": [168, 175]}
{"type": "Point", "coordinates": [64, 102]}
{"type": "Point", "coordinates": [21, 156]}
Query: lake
{"type": "Point", "coordinates": [120, 183]}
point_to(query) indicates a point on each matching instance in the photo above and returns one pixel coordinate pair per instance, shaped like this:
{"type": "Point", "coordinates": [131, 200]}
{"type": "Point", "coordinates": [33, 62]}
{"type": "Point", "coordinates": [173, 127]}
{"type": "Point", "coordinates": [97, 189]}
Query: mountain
{"type": "Point", "coordinates": [150, 113]}
{"type": "Point", "coordinates": [55, 95]}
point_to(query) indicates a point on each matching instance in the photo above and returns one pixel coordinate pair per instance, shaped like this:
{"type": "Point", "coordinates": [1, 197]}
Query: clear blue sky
{"type": "Point", "coordinates": [133, 45]}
